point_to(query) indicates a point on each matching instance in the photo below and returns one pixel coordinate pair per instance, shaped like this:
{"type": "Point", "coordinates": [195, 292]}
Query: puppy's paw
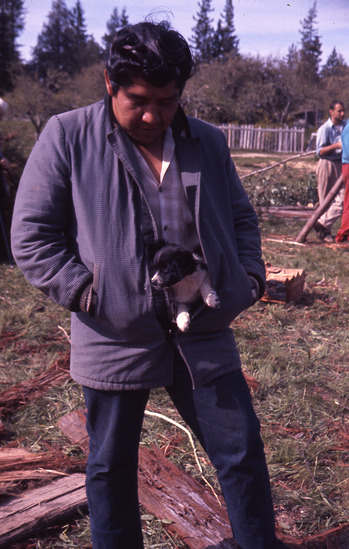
{"type": "Point", "coordinates": [183, 321]}
{"type": "Point", "coordinates": [212, 300]}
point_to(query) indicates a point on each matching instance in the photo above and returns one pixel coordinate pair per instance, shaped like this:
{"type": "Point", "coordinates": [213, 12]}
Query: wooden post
{"type": "Point", "coordinates": [23, 516]}
{"type": "Point", "coordinates": [320, 210]}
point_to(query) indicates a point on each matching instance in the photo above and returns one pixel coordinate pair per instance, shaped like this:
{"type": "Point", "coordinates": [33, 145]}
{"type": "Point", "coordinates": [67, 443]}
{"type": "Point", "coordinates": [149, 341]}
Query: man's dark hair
{"type": "Point", "coordinates": [334, 103]}
{"type": "Point", "coordinates": [151, 51]}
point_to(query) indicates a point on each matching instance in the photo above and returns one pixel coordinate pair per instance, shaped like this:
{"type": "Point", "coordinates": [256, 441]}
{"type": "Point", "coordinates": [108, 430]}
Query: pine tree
{"type": "Point", "coordinates": [310, 51]}
{"type": "Point", "coordinates": [225, 41]}
{"type": "Point", "coordinates": [114, 23]}
{"type": "Point", "coordinates": [11, 25]}
{"type": "Point", "coordinates": [77, 21]}
{"type": "Point", "coordinates": [85, 49]}
{"type": "Point", "coordinates": [202, 39]}
{"type": "Point", "coordinates": [55, 41]}
{"type": "Point", "coordinates": [292, 58]}
{"type": "Point", "coordinates": [335, 65]}
{"type": "Point", "coordinates": [63, 45]}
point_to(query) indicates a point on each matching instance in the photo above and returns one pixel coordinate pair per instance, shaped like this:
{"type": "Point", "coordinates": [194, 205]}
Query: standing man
{"type": "Point", "coordinates": [329, 151]}
{"type": "Point", "coordinates": [102, 183]}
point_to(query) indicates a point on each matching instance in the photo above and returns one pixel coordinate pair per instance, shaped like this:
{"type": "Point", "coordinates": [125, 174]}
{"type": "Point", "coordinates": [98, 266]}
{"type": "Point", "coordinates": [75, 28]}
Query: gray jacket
{"type": "Point", "coordinates": [81, 215]}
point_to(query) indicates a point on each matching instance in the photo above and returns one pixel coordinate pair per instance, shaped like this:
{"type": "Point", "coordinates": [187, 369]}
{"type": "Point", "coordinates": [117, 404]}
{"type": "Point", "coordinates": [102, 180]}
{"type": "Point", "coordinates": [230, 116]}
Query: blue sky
{"type": "Point", "coordinates": [264, 27]}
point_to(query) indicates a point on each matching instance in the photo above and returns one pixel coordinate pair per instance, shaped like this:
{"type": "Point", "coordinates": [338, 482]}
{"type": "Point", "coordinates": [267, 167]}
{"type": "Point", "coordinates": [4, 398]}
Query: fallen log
{"type": "Point", "coordinates": [18, 464]}
{"type": "Point", "coordinates": [20, 458]}
{"type": "Point", "coordinates": [195, 514]}
{"type": "Point", "coordinates": [17, 457]}
{"type": "Point", "coordinates": [170, 494]}
{"type": "Point", "coordinates": [298, 212]}
{"type": "Point", "coordinates": [276, 164]}
{"type": "Point", "coordinates": [29, 474]}
{"type": "Point", "coordinates": [11, 482]}
{"type": "Point", "coordinates": [320, 210]}
{"type": "Point", "coordinates": [25, 516]}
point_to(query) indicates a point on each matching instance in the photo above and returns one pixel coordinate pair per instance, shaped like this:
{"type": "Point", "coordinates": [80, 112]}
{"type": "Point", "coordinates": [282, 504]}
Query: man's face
{"type": "Point", "coordinates": [337, 114]}
{"type": "Point", "coordinates": [144, 111]}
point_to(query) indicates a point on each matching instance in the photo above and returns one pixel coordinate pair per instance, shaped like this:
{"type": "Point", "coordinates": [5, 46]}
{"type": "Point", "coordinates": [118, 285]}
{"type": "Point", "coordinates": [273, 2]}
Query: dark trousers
{"type": "Point", "coordinates": [221, 416]}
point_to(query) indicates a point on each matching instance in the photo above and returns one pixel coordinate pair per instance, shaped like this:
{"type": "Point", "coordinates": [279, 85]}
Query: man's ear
{"type": "Point", "coordinates": [107, 83]}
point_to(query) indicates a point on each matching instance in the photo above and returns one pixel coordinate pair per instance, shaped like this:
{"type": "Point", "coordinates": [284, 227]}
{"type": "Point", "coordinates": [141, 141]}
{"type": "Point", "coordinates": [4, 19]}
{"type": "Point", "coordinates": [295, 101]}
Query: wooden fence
{"type": "Point", "coordinates": [264, 139]}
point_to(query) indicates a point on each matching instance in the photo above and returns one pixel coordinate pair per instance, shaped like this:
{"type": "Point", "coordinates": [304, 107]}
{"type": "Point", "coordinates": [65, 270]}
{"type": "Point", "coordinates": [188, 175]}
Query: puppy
{"type": "Point", "coordinates": [183, 274]}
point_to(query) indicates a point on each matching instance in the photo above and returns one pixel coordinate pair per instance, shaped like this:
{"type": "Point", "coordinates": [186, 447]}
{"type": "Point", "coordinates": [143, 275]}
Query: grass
{"type": "Point", "coordinates": [297, 354]}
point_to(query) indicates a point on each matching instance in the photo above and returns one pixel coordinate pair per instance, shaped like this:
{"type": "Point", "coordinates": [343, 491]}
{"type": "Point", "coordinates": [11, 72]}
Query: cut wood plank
{"type": "Point", "coordinates": [284, 284]}
{"type": "Point", "coordinates": [170, 494]}
{"type": "Point", "coordinates": [73, 426]}
{"type": "Point", "coordinates": [35, 510]}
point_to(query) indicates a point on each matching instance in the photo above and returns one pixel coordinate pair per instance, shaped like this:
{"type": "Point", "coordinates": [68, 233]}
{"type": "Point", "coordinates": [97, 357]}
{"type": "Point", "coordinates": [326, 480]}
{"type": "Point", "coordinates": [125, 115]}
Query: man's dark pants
{"type": "Point", "coordinates": [222, 417]}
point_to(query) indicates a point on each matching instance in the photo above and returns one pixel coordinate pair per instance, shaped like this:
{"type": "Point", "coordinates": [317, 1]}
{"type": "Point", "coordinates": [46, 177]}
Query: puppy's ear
{"type": "Point", "coordinates": [154, 247]}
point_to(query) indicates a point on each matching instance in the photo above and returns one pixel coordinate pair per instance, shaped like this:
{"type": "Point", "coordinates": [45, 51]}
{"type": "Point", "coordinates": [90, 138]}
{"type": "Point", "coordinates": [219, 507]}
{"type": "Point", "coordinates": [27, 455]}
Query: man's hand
{"type": "Point", "coordinates": [330, 148]}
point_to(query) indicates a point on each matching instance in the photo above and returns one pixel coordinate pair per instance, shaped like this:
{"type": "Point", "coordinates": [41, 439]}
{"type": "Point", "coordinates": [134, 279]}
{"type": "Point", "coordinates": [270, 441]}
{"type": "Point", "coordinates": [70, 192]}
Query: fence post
{"type": "Point", "coordinates": [280, 139]}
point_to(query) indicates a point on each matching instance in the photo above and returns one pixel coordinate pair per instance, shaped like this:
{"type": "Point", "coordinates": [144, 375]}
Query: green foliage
{"type": "Point", "coordinates": [11, 25]}
{"type": "Point", "coordinates": [210, 44]}
{"type": "Point", "coordinates": [203, 33]}
{"type": "Point", "coordinates": [335, 65]}
{"type": "Point", "coordinates": [225, 42]}
{"type": "Point", "coordinates": [245, 90]}
{"type": "Point", "coordinates": [292, 183]}
{"type": "Point", "coordinates": [56, 93]}
{"type": "Point", "coordinates": [290, 191]}
{"type": "Point", "coordinates": [114, 23]}
{"type": "Point", "coordinates": [63, 45]}
{"type": "Point", "coordinates": [310, 52]}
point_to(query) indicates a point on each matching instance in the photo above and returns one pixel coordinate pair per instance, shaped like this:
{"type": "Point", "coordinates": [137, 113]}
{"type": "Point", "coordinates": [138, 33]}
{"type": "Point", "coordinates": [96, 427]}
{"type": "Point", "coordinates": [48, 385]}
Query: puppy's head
{"type": "Point", "coordinates": [172, 263]}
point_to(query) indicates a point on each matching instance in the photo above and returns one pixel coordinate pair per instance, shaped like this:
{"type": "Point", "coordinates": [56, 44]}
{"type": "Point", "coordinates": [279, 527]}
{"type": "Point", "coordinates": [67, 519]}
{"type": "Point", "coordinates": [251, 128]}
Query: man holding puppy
{"type": "Point", "coordinates": [101, 184]}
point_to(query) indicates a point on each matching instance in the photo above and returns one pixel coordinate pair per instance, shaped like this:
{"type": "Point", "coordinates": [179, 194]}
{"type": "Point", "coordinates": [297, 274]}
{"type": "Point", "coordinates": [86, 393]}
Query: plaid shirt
{"type": "Point", "coordinates": [167, 200]}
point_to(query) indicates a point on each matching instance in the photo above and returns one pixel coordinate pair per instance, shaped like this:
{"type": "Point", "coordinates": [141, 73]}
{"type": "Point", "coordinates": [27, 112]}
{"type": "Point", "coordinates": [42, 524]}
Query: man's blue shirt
{"type": "Point", "coordinates": [328, 134]}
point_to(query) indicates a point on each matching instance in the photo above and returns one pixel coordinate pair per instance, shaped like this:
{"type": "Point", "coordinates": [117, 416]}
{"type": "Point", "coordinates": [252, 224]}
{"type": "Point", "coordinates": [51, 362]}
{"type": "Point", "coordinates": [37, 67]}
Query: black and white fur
{"type": "Point", "coordinates": [183, 274]}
